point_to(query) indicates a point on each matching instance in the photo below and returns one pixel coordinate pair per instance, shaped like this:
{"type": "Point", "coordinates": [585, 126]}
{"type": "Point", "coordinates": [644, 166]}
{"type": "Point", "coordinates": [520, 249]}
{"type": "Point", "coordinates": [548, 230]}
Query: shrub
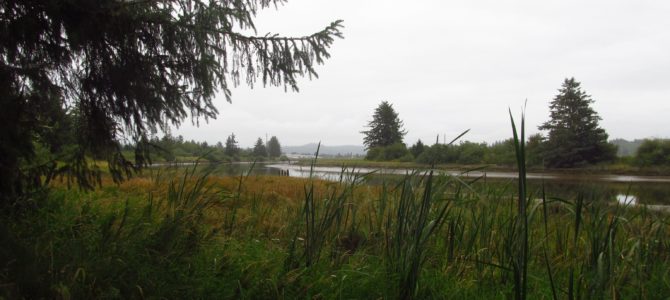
{"type": "Point", "coordinates": [373, 153]}
{"type": "Point", "coordinates": [654, 152]}
{"type": "Point", "coordinates": [387, 153]}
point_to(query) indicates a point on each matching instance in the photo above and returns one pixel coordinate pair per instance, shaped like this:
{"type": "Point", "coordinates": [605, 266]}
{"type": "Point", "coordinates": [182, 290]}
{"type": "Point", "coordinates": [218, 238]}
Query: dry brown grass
{"type": "Point", "coordinates": [261, 204]}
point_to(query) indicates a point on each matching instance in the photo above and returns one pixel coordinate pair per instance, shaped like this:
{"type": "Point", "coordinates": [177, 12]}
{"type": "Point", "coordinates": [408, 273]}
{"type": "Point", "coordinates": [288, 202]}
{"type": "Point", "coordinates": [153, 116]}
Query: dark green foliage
{"type": "Point", "coordinates": [535, 148]}
{"type": "Point", "coordinates": [385, 128]}
{"type": "Point", "coordinates": [126, 69]}
{"type": "Point", "coordinates": [574, 137]}
{"type": "Point", "coordinates": [325, 220]}
{"type": "Point", "coordinates": [516, 245]}
{"type": "Point", "coordinates": [417, 148]}
{"type": "Point", "coordinates": [411, 225]}
{"type": "Point", "coordinates": [438, 154]}
{"type": "Point", "coordinates": [80, 249]}
{"type": "Point", "coordinates": [175, 149]}
{"type": "Point", "coordinates": [33, 135]}
{"type": "Point", "coordinates": [471, 153]}
{"type": "Point", "coordinates": [463, 153]}
{"type": "Point", "coordinates": [654, 152]}
{"type": "Point", "coordinates": [259, 149]}
{"type": "Point", "coordinates": [386, 153]}
{"type": "Point", "coordinates": [231, 148]}
{"type": "Point", "coordinates": [274, 148]}
{"type": "Point", "coordinates": [501, 153]}
{"type": "Point", "coordinates": [374, 153]}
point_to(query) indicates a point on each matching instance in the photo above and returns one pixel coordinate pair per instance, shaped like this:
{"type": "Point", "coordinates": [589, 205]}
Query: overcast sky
{"type": "Point", "coordinates": [448, 66]}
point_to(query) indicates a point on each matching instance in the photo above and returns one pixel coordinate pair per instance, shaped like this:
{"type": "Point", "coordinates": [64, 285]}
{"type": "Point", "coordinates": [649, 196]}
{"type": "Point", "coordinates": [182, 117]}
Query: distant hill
{"type": "Point", "coordinates": [626, 147]}
{"type": "Point", "coordinates": [309, 149]}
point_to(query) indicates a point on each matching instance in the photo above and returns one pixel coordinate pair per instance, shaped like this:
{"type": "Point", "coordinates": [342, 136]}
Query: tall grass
{"type": "Point", "coordinates": [418, 215]}
{"type": "Point", "coordinates": [518, 240]}
{"type": "Point", "coordinates": [78, 246]}
{"type": "Point", "coordinates": [191, 234]}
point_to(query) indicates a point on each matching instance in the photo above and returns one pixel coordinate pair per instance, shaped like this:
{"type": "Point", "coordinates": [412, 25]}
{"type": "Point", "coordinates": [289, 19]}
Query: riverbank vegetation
{"type": "Point", "coordinates": [188, 233]}
{"type": "Point", "coordinates": [574, 140]}
{"type": "Point", "coordinates": [178, 233]}
{"type": "Point", "coordinates": [82, 78]}
{"type": "Point", "coordinates": [499, 157]}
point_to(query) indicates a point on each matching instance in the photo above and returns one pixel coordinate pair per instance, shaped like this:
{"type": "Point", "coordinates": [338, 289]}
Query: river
{"type": "Point", "coordinates": [634, 190]}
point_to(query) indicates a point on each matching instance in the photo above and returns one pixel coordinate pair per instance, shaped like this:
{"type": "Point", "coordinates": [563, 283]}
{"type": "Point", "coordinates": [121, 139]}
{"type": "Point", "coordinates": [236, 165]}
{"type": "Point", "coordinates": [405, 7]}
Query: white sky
{"type": "Point", "coordinates": [448, 66]}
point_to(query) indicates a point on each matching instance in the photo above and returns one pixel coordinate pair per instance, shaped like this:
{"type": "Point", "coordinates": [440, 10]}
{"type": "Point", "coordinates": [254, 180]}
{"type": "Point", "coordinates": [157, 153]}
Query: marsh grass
{"type": "Point", "coordinates": [185, 233]}
{"type": "Point", "coordinates": [80, 245]}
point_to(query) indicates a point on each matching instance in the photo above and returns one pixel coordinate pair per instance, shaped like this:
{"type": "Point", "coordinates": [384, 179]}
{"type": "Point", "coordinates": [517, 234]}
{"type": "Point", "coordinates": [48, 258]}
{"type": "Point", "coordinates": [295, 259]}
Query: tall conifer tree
{"type": "Point", "coordinates": [231, 148]}
{"type": "Point", "coordinates": [259, 149]}
{"type": "Point", "coordinates": [385, 127]}
{"type": "Point", "coordinates": [125, 69]}
{"type": "Point", "coordinates": [575, 137]}
{"type": "Point", "coordinates": [274, 148]}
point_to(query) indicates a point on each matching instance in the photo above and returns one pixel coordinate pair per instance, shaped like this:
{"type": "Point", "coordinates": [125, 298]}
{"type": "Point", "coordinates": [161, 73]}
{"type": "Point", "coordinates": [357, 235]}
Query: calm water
{"type": "Point", "coordinates": [633, 190]}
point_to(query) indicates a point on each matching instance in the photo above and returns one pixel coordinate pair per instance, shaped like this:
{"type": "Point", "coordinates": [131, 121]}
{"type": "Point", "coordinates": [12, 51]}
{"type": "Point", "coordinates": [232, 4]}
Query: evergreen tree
{"type": "Point", "coordinates": [575, 137]}
{"type": "Point", "coordinates": [126, 69]}
{"type": "Point", "coordinates": [231, 148]}
{"type": "Point", "coordinates": [274, 148]}
{"type": "Point", "coordinates": [417, 148]}
{"type": "Point", "coordinates": [385, 128]}
{"type": "Point", "coordinates": [259, 149]}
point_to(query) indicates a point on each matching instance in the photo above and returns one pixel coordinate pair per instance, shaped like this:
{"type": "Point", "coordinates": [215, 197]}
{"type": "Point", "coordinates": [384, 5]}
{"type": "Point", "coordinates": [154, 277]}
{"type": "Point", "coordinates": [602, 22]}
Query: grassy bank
{"type": "Point", "coordinates": [178, 235]}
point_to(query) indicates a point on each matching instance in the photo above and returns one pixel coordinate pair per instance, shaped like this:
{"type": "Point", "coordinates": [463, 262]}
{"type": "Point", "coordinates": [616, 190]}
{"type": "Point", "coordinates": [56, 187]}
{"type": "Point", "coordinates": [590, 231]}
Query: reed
{"type": "Point", "coordinates": [409, 229]}
{"type": "Point", "coordinates": [188, 233]}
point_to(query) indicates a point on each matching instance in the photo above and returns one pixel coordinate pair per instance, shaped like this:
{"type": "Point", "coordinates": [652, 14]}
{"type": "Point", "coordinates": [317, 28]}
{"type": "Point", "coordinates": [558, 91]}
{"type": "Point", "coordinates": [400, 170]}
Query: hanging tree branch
{"type": "Point", "coordinates": [128, 68]}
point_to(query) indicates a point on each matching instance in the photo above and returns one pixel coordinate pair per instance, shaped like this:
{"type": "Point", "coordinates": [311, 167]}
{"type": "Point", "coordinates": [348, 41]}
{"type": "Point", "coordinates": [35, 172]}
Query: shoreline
{"type": "Point", "coordinates": [592, 170]}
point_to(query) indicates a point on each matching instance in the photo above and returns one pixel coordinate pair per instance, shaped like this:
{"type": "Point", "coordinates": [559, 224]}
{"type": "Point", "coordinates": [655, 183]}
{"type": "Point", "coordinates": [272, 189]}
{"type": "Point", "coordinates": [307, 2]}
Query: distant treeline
{"type": "Point", "coordinates": [499, 153]}
{"type": "Point", "coordinates": [170, 148]}
{"type": "Point", "coordinates": [647, 152]}
{"type": "Point", "coordinates": [574, 138]}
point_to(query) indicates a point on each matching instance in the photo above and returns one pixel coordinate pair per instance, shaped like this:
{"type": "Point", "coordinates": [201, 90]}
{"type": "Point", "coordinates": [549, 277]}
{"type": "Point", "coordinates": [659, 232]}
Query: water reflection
{"type": "Point", "coordinates": [626, 199]}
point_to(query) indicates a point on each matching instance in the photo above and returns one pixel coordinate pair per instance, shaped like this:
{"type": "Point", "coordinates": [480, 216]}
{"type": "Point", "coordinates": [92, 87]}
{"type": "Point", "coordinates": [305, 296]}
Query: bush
{"type": "Point", "coordinates": [654, 152]}
{"type": "Point", "coordinates": [501, 153]}
{"type": "Point", "coordinates": [373, 153]}
{"type": "Point", "coordinates": [471, 153]}
{"type": "Point", "coordinates": [406, 158]}
{"type": "Point", "coordinates": [439, 154]}
{"type": "Point", "coordinates": [392, 152]}
{"type": "Point", "coordinates": [395, 151]}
